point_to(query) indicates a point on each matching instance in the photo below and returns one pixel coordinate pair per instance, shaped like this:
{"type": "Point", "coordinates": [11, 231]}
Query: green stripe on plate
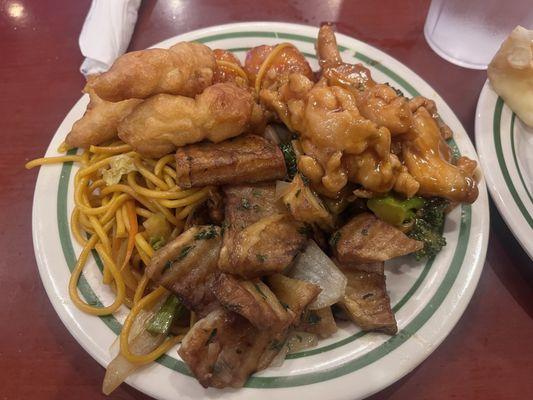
{"type": "Point", "coordinates": [302, 379]}
{"type": "Point", "coordinates": [496, 128]}
{"type": "Point", "coordinates": [515, 158]}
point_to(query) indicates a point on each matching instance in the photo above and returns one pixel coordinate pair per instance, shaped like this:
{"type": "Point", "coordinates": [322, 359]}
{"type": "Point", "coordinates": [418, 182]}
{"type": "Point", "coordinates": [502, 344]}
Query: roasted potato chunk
{"type": "Point", "coordinates": [253, 300]}
{"type": "Point", "coordinates": [186, 264]}
{"type": "Point", "coordinates": [367, 239]}
{"type": "Point", "coordinates": [366, 300]}
{"type": "Point", "coordinates": [260, 238]}
{"type": "Point", "coordinates": [245, 159]}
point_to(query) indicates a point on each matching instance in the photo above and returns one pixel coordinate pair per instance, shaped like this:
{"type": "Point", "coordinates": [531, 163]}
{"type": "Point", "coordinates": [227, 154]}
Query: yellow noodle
{"type": "Point", "coordinates": [110, 149]}
{"type": "Point", "coordinates": [51, 160]}
{"type": "Point", "coordinates": [161, 163]}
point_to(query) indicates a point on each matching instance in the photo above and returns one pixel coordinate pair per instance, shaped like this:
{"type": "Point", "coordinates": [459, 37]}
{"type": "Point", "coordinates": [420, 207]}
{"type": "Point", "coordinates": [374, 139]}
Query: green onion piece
{"type": "Point", "coordinates": [162, 320]}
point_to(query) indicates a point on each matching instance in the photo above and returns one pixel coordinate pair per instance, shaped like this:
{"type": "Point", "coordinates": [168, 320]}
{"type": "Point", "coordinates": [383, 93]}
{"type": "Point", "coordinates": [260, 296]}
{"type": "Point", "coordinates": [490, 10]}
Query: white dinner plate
{"type": "Point", "coordinates": [505, 147]}
{"type": "Point", "coordinates": [428, 297]}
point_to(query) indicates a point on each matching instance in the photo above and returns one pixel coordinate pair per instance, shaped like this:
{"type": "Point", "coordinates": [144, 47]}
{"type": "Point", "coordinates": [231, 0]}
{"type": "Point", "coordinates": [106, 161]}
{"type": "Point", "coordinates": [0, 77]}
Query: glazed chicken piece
{"type": "Point", "coordinates": [332, 129]}
{"type": "Point", "coordinates": [186, 265]}
{"type": "Point", "coordinates": [286, 60]}
{"type": "Point", "coordinates": [245, 159]}
{"type": "Point", "coordinates": [427, 157]}
{"type": "Point", "coordinates": [260, 237]}
{"type": "Point", "coordinates": [224, 348]}
{"type": "Point", "coordinates": [366, 300]}
{"type": "Point", "coordinates": [419, 101]}
{"type": "Point", "coordinates": [100, 121]}
{"type": "Point", "coordinates": [163, 122]}
{"type": "Point", "coordinates": [367, 239]}
{"type": "Point", "coordinates": [253, 300]}
{"type": "Point", "coordinates": [379, 103]}
{"type": "Point", "coordinates": [184, 69]}
{"type": "Point", "coordinates": [229, 69]}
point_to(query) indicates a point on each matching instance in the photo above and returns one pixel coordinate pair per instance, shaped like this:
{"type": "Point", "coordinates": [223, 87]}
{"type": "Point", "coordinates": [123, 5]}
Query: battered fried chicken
{"type": "Point", "coordinates": [163, 122]}
{"type": "Point", "coordinates": [184, 69]}
{"type": "Point", "coordinates": [428, 159]}
{"type": "Point", "coordinates": [100, 121]}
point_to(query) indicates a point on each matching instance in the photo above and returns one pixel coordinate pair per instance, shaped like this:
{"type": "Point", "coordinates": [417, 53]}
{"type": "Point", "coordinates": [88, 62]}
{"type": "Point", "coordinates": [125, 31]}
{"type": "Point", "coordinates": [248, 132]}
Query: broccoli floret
{"type": "Point", "coordinates": [427, 227]}
{"type": "Point", "coordinates": [393, 210]}
{"type": "Point", "coordinates": [290, 158]}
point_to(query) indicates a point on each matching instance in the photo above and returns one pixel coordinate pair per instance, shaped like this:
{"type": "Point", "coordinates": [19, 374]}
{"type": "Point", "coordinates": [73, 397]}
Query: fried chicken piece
{"type": "Point", "coordinates": [229, 69]}
{"type": "Point", "coordinates": [427, 157]}
{"type": "Point", "coordinates": [186, 265]}
{"type": "Point", "coordinates": [223, 349]}
{"type": "Point", "coordinates": [332, 129]}
{"type": "Point", "coordinates": [419, 101]}
{"type": "Point", "coordinates": [184, 69]}
{"type": "Point", "coordinates": [260, 237]}
{"type": "Point", "coordinates": [289, 60]}
{"type": "Point", "coordinates": [379, 103]}
{"type": "Point", "coordinates": [253, 300]}
{"type": "Point", "coordinates": [100, 121]}
{"type": "Point", "coordinates": [163, 122]}
{"type": "Point", "coordinates": [367, 239]}
{"type": "Point", "coordinates": [245, 159]}
{"type": "Point", "coordinates": [366, 300]}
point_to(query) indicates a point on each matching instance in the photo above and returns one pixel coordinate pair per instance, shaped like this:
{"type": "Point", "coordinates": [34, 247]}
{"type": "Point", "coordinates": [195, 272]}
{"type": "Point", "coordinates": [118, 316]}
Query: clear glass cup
{"type": "Point", "coordinates": [469, 32]}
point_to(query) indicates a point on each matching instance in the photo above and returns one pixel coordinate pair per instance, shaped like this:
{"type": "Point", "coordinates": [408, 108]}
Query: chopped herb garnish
{"type": "Point", "coordinates": [157, 242]}
{"type": "Point", "coordinates": [162, 320]}
{"type": "Point", "coordinates": [183, 253]}
{"type": "Point", "coordinates": [398, 91]}
{"type": "Point", "coordinates": [261, 257]}
{"type": "Point", "coordinates": [206, 234]}
{"type": "Point", "coordinates": [334, 239]}
{"type": "Point", "coordinates": [313, 318]}
{"type": "Point", "coordinates": [305, 179]}
{"type": "Point", "coordinates": [290, 159]}
{"type": "Point", "coordinates": [284, 305]}
{"type": "Point", "coordinates": [167, 266]}
{"type": "Point", "coordinates": [276, 345]}
{"type": "Point", "coordinates": [245, 204]}
{"type": "Point", "coordinates": [305, 230]}
{"type": "Point", "coordinates": [225, 225]}
{"type": "Point", "coordinates": [211, 336]}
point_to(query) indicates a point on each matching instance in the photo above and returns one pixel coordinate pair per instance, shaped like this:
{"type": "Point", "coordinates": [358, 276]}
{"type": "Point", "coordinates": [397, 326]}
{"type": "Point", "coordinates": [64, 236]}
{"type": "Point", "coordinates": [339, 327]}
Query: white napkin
{"type": "Point", "coordinates": [106, 33]}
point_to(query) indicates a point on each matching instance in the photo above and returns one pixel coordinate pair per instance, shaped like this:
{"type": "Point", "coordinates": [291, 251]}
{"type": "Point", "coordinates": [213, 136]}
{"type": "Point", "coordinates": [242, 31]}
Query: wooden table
{"type": "Point", "coordinates": [487, 356]}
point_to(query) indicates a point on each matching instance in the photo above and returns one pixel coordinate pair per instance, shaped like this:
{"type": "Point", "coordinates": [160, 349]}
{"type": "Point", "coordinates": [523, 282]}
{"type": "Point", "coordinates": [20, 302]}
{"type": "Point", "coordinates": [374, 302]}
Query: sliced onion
{"type": "Point", "coordinates": [299, 341]}
{"type": "Point", "coordinates": [282, 189]}
{"type": "Point", "coordinates": [141, 342]}
{"type": "Point", "coordinates": [314, 266]}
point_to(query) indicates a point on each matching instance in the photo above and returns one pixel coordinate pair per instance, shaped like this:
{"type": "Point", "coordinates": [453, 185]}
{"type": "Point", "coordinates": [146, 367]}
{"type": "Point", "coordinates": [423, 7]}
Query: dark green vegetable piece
{"type": "Point", "coordinates": [157, 242]}
{"type": "Point", "coordinates": [162, 320]}
{"type": "Point", "coordinates": [393, 210]}
{"type": "Point", "coordinates": [290, 158]}
{"type": "Point", "coordinates": [427, 227]}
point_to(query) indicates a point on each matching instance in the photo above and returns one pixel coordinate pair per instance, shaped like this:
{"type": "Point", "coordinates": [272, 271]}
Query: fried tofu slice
{"type": "Point", "coordinates": [260, 237]}
{"type": "Point", "coordinates": [320, 322]}
{"type": "Point", "coordinates": [186, 264]}
{"type": "Point", "coordinates": [253, 300]}
{"type": "Point", "coordinates": [184, 69]}
{"type": "Point", "coordinates": [100, 121]}
{"type": "Point", "coordinates": [223, 349]}
{"type": "Point", "coordinates": [367, 239]}
{"type": "Point", "coordinates": [366, 301]}
{"type": "Point", "coordinates": [164, 122]}
{"type": "Point", "coordinates": [245, 159]}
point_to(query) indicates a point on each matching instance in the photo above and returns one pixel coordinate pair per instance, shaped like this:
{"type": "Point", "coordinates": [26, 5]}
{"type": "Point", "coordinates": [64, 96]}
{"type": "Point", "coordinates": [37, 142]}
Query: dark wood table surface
{"type": "Point", "coordinates": [488, 355]}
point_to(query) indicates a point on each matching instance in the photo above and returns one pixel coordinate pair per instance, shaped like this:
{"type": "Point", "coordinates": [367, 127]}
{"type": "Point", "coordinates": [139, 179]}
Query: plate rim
{"type": "Point", "coordinates": [482, 208]}
{"type": "Point", "coordinates": [485, 120]}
